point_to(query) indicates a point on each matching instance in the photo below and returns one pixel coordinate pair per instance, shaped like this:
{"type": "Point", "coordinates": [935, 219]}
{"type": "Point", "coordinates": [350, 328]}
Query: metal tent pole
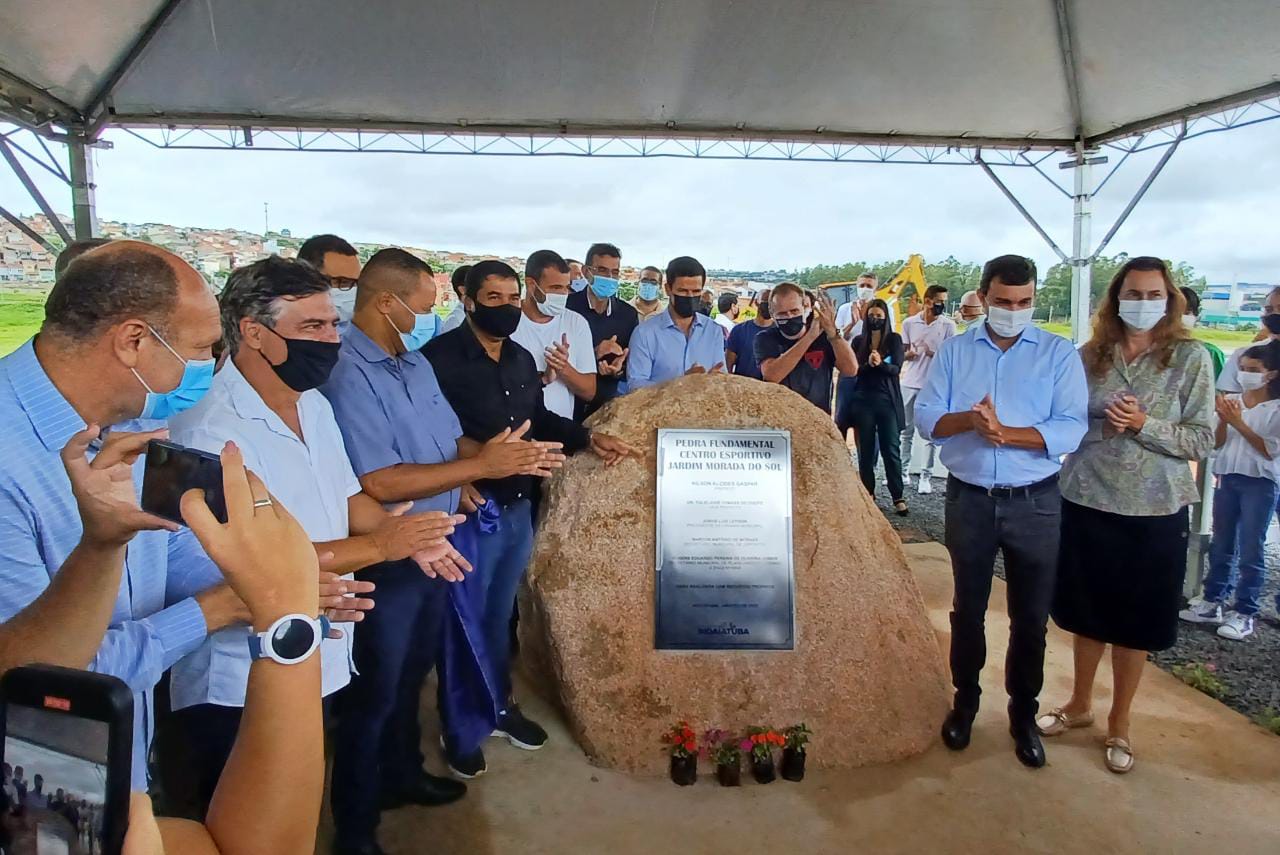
{"type": "Point", "coordinates": [84, 208]}
{"type": "Point", "coordinates": [1081, 258]}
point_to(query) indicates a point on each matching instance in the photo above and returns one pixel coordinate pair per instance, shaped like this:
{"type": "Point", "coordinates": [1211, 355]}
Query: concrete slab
{"type": "Point", "coordinates": [1206, 778]}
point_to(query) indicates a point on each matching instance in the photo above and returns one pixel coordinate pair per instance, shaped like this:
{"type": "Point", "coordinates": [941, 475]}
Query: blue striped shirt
{"type": "Point", "coordinates": [661, 352]}
{"type": "Point", "coordinates": [40, 525]}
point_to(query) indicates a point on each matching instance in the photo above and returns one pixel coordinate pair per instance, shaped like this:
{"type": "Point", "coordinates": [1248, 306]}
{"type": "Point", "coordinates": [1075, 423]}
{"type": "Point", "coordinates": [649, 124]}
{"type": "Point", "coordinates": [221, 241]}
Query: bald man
{"type": "Point", "coordinates": [971, 311]}
{"type": "Point", "coordinates": [126, 342]}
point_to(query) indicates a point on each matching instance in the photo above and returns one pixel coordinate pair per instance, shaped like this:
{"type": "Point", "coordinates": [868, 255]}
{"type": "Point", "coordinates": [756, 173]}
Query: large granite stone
{"type": "Point", "coordinates": [866, 673]}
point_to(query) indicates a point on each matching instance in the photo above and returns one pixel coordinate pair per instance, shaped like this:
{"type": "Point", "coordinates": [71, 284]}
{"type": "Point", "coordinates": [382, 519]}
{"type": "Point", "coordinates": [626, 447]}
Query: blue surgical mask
{"type": "Point", "coordinates": [578, 284]}
{"type": "Point", "coordinates": [604, 287]}
{"type": "Point", "coordinates": [344, 300]}
{"type": "Point", "coordinates": [648, 291]}
{"type": "Point", "coordinates": [197, 377]}
{"type": "Point", "coordinates": [424, 328]}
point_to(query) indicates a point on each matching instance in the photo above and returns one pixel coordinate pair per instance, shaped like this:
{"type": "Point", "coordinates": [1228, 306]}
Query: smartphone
{"type": "Point", "coordinates": [65, 759]}
{"type": "Point", "coordinates": [172, 470]}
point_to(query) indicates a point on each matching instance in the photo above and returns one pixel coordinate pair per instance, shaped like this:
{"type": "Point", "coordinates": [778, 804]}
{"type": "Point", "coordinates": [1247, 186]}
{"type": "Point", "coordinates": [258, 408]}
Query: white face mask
{"type": "Point", "coordinates": [1142, 315]}
{"type": "Point", "coordinates": [554, 304]}
{"type": "Point", "coordinates": [1251, 380]}
{"type": "Point", "coordinates": [865, 294]}
{"type": "Point", "coordinates": [1008, 322]}
{"type": "Point", "coordinates": [1189, 321]}
{"type": "Point", "coordinates": [344, 300]}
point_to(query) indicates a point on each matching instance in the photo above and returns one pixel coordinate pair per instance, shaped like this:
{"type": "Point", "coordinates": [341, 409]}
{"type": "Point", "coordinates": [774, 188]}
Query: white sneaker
{"type": "Point", "coordinates": [1200, 610]}
{"type": "Point", "coordinates": [926, 485]}
{"type": "Point", "coordinates": [1236, 627]}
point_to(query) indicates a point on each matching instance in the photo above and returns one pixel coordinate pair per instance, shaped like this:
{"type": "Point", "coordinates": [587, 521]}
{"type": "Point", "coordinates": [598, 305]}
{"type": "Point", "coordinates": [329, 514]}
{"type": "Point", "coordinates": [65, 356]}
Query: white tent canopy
{"type": "Point", "coordinates": [1043, 73]}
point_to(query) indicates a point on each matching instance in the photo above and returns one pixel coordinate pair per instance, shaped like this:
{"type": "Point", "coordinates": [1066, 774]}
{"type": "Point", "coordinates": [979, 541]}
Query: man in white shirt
{"type": "Point", "coordinates": [281, 333]}
{"type": "Point", "coordinates": [453, 320]}
{"type": "Point", "coordinates": [849, 315]}
{"type": "Point", "coordinates": [558, 339]}
{"type": "Point", "coordinates": [727, 313]}
{"type": "Point", "coordinates": [922, 338]}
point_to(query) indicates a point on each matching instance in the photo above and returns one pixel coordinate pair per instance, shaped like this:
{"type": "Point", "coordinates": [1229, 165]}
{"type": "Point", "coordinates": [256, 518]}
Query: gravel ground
{"type": "Point", "coordinates": [1249, 670]}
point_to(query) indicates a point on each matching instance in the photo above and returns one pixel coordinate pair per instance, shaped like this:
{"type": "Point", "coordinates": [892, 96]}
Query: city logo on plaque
{"type": "Point", "coordinates": [725, 579]}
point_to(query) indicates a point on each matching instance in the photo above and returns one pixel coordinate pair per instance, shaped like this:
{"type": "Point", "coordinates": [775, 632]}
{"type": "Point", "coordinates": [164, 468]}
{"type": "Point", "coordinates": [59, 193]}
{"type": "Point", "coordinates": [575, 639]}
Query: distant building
{"type": "Point", "coordinates": [1237, 303]}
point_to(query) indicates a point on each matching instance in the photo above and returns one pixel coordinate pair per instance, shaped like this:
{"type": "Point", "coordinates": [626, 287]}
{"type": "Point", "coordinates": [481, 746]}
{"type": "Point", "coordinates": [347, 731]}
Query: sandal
{"type": "Point", "coordinates": [1059, 721]}
{"type": "Point", "coordinates": [900, 508]}
{"type": "Point", "coordinates": [1118, 754]}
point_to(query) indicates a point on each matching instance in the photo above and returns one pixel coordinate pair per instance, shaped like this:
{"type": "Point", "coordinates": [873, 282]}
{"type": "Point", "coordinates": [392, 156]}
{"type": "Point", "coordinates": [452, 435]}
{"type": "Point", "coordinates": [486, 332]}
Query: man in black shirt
{"type": "Point", "coordinates": [802, 353]}
{"type": "Point", "coordinates": [611, 320]}
{"type": "Point", "coordinates": [493, 385]}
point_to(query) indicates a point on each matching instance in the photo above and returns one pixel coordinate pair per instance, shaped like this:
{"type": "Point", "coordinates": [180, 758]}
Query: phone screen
{"type": "Point", "coordinates": [172, 470]}
{"type": "Point", "coordinates": [55, 782]}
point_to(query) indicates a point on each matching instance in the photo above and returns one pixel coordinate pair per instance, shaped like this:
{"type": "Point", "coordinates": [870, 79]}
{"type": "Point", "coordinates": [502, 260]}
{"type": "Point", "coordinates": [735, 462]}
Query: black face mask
{"type": "Point", "coordinates": [763, 311]}
{"type": "Point", "coordinates": [685, 306]}
{"type": "Point", "coordinates": [790, 327]}
{"type": "Point", "coordinates": [1272, 323]}
{"type": "Point", "coordinates": [307, 364]}
{"type": "Point", "coordinates": [875, 324]}
{"type": "Point", "coordinates": [939, 309]}
{"type": "Point", "coordinates": [497, 321]}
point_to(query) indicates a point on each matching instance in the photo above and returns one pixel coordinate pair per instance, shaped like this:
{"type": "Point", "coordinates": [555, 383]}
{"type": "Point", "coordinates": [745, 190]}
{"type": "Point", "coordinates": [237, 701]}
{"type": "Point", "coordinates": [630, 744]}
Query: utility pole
{"type": "Point", "coordinates": [266, 218]}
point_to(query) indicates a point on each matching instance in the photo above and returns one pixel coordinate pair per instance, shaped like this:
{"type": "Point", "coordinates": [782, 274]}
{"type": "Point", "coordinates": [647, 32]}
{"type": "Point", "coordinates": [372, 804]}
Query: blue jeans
{"type": "Point", "coordinates": [504, 555]}
{"type": "Point", "coordinates": [1242, 508]}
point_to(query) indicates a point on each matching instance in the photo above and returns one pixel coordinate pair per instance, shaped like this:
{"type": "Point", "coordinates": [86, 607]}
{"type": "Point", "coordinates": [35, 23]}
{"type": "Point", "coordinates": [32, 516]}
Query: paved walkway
{"type": "Point", "coordinates": [1206, 780]}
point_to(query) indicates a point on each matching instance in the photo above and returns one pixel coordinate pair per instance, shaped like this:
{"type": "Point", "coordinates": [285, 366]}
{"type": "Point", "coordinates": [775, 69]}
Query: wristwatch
{"type": "Point", "coordinates": [290, 640]}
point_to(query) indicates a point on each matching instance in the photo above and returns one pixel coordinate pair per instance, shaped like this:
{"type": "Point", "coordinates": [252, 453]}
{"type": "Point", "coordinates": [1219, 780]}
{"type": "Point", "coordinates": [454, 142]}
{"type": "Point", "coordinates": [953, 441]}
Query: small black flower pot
{"type": "Point", "coordinates": [684, 770]}
{"type": "Point", "coordinates": [763, 770]}
{"type": "Point", "coordinates": [729, 774]}
{"type": "Point", "coordinates": [792, 764]}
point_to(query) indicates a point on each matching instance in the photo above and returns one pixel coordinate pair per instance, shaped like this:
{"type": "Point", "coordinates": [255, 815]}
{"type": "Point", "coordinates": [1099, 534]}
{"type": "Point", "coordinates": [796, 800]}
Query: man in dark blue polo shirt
{"type": "Point", "coordinates": [739, 350]}
{"type": "Point", "coordinates": [402, 438]}
{"type": "Point", "coordinates": [612, 322]}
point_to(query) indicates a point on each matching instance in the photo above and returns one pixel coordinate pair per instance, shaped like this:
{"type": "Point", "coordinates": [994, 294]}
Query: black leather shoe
{"type": "Point", "coordinates": [427, 790]}
{"type": "Point", "coordinates": [1026, 744]}
{"type": "Point", "coordinates": [369, 847]}
{"type": "Point", "coordinates": [956, 730]}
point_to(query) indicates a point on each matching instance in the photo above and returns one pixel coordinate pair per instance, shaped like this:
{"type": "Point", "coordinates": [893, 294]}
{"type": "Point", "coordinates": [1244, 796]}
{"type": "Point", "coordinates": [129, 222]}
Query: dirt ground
{"type": "Point", "coordinates": [1206, 777]}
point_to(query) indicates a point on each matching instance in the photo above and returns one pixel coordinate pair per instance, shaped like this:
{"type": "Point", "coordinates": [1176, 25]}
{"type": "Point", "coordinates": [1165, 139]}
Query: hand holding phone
{"type": "Point", "coordinates": [103, 487]}
{"type": "Point", "coordinates": [260, 548]}
{"type": "Point", "coordinates": [172, 470]}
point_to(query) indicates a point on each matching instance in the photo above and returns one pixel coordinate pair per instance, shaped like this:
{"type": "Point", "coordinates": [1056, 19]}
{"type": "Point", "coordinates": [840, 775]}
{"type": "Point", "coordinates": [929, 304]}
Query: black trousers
{"type": "Point", "coordinates": [210, 732]}
{"type": "Point", "coordinates": [377, 746]}
{"type": "Point", "coordinates": [1023, 524]}
{"type": "Point", "coordinates": [875, 418]}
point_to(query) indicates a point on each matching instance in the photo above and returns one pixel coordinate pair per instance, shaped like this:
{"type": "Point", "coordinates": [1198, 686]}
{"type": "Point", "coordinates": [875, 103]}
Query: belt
{"type": "Point", "coordinates": [1025, 491]}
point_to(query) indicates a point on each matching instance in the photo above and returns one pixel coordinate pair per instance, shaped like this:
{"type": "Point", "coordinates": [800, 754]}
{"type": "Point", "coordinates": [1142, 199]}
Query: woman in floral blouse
{"type": "Point", "coordinates": [1126, 491]}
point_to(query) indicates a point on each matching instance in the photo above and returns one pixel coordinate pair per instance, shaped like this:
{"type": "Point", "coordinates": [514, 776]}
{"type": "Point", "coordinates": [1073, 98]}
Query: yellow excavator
{"type": "Point", "coordinates": [911, 273]}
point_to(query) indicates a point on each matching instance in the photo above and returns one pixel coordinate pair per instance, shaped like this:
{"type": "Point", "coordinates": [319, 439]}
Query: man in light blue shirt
{"type": "Point", "coordinates": [680, 340]}
{"type": "Point", "coordinates": [128, 331]}
{"type": "Point", "coordinates": [1006, 401]}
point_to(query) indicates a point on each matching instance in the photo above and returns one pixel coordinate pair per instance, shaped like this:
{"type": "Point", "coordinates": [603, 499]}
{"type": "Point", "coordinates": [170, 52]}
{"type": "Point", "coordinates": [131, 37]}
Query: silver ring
{"type": "Point", "coordinates": [262, 503]}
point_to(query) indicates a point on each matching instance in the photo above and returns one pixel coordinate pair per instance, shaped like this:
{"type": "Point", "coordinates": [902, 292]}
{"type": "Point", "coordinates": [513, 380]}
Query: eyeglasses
{"type": "Point", "coordinates": [342, 283]}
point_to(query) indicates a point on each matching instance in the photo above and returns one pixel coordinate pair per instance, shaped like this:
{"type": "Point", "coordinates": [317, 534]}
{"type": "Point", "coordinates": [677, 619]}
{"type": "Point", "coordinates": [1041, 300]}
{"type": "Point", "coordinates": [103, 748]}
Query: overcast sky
{"type": "Point", "coordinates": [1217, 204]}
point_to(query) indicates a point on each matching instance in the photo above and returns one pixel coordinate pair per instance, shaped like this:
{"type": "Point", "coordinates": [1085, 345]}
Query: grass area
{"type": "Point", "coordinates": [1228, 340]}
{"type": "Point", "coordinates": [20, 315]}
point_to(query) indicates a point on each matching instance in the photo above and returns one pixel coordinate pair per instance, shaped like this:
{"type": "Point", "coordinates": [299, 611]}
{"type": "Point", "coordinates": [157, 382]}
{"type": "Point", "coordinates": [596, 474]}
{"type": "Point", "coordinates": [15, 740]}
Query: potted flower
{"type": "Point", "coordinates": [796, 739]}
{"type": "Point", "coordinates": [725, 750]}
{"type": "Point", "coordinates": [763, 741]}
{"type": "Point", "coordinates": [684, 753]}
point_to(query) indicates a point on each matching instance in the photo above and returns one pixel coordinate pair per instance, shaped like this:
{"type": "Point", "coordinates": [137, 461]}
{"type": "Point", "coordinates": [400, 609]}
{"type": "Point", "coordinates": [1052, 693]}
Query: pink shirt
{"type": "Point", "coordinates": [920, 337]}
